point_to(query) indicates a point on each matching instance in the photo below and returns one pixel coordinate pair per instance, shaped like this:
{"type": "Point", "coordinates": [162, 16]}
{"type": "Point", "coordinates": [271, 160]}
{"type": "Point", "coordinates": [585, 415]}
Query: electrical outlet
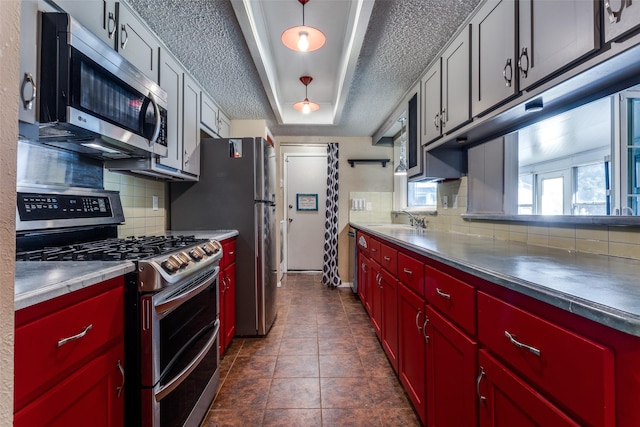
{"type": "Point", "coordinates": [369, 206]}
{"type": "Point", "coordinates": [445, 202]}
{"type": "Point", "coordinates": [154, 202]}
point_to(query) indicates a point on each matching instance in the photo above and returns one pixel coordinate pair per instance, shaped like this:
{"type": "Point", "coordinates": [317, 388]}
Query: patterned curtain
{"type": "Point", "coordinates": [330, 275]}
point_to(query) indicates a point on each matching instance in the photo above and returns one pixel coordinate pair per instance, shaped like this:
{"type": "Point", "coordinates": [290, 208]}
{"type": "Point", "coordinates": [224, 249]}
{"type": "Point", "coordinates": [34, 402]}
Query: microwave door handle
{"type": "Point", "coordinates": [156, 109]}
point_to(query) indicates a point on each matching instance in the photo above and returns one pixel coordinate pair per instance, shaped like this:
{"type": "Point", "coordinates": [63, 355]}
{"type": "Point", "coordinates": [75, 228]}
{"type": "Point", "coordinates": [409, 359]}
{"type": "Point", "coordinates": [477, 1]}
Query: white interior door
{"type": "Point", "coordinates": [305, 206]}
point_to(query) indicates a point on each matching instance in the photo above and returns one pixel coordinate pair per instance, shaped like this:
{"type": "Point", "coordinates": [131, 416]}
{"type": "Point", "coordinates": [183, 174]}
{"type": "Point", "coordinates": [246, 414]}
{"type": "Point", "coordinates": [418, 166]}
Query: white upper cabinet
{"type": "Point", "coordinates": [209, 115]}
{"type": "Point", "coordinates": [554, 34]}
{"type": "Point", "coordinates": [191, 126]}
{"type": "Point", "coordinates": [431, 103]}
{"type": "Point", "coordinates": [98, 16]}
{"type": "Point", "coordinates": [136, 42]}
{"type": "Point", "coordinates": [171, 73]}
{"type": "Point", "coordinates": [455, 82]}
{"type": "Point", "coordinates": [493, 55]}
{"type": "Point", "coordinates": [620, 18]}
{"type": "Point", "coordinates": [224, 125]}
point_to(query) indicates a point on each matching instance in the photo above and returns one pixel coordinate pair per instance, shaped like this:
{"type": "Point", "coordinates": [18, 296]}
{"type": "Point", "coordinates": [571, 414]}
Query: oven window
{"type": "Point", "coordinates": [189, 321]}
{"type": "Point", "coordinates": [177, 405]}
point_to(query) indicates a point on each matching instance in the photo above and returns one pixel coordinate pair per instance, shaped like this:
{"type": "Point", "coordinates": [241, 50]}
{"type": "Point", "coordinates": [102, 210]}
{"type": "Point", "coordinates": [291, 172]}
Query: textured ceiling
{"type": "Point", "coordinates": [401, 40]}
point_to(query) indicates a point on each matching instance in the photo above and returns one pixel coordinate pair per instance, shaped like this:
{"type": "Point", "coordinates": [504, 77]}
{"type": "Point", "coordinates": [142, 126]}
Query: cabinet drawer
{"type": "Point", "coordinates": [453, 298]}
{"type": "Point", "coordinates": [228, 252]}
{"type": "Point", "coordinates": [389, 259]}
{"type": "Point", "coordinates": [374, 249]}
{"type": "Point", "coordinates": [411, 273]}
{"type": "Point", "coordinates": [573, 371]}
{"type": "Point", "coordinates": [40, 354]}
{"type": "Point", "coordinates": [364, 242]}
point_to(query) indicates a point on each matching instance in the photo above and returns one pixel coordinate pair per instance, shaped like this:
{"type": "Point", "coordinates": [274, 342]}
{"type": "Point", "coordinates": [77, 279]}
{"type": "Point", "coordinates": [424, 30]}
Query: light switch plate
{"type": "Point", "coordinates": [154, 201]}
{"type": "Point", "coordinates": [445, 202]}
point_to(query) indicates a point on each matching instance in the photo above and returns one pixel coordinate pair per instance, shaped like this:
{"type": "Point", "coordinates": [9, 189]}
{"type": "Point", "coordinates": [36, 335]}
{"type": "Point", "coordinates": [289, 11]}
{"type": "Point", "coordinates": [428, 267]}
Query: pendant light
{"type": "Point", "coordinates": [401, 169]}
{"type": "Point", "coordinates": [306, 106]}
{"type": "Point", "coordinates": [303, 38]}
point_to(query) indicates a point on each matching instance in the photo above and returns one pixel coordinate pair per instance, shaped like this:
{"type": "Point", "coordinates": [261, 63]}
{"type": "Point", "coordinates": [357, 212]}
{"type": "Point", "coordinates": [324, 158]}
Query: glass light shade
{"type": "Point", "coordinates": [306, 106]}
{"type": "Point", "coordinates": [294, 38]}
{"type": "Point", "coordinates": [401, 169]}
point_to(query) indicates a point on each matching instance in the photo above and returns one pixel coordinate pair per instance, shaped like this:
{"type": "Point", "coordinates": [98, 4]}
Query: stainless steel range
{"type": "Point", "coordinates": [171, 313]}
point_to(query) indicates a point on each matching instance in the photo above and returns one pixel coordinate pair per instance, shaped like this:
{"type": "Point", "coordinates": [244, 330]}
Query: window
{"type": "Point", "coordinates": [422, 194]}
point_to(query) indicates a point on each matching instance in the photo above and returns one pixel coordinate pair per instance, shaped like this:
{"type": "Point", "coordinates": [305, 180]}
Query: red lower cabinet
{"type": "Point", "coordinates": [375, 298]}
{"type": "Point", "coordinates": [507, 401]}
{"type": "Point", "coordinates": [451, 372]}
{"type": "Point", "coordinates": [412, 348]}
{"type": "Point", "coordinates": [389, 326]}
{"type": "Point", "coordinates": [229, 326]}
{"type": "Point", "coordinates": [69, 359]}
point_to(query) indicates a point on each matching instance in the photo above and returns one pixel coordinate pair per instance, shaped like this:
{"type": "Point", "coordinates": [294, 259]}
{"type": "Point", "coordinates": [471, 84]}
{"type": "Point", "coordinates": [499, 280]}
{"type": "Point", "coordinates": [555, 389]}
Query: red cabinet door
{"type": "Point", "coordinates": [375, 302]}
{"type": "Point", "coordinates": [222, 345]}
{"type": "Point", "coordinates": [363, 277]}
{"type": "Point", "coordinates": [507, 401]}
{"type": "Point", "coordinates": [92, 395]}
{"type": "Point", "coordinates": [389, 326]}
{"type": "Point", "coordinates": [451, 374]}
{"type": "Point", "coordinates": [229, 304]}
{"type": "Point", "coordinates": [412, 351]}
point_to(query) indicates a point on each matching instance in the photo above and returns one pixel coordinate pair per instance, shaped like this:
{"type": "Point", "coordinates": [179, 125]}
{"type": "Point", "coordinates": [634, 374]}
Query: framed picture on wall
{"type": "Point", "coordinates": [306, 202]}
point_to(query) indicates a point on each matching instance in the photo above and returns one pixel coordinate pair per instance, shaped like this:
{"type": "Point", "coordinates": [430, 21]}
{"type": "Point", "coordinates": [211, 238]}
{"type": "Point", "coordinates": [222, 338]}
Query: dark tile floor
{"type": "Point", "coordinates": [320, 365]}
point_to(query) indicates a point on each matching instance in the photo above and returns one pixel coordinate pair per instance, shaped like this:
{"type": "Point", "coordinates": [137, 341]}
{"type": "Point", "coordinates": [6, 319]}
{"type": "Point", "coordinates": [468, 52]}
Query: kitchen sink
{"type": "Point", "coordinates": [396, 227]}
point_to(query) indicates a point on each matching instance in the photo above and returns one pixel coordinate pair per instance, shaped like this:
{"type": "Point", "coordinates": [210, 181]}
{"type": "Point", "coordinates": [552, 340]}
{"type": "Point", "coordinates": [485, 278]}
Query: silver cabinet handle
{"type": "Point", "coordinates": [111, 25]}
{"type": "Point", "coordinates": [524, 56]}
{"type": "Point", "coordinates": [28, 80]}
{"type": "Point", "coordinates": [614, 15]}
{"type": "Point", "coordinates": [424, 329]}
{"type": "Point", "coordinates": [480, 397]}
{"type": "Point", "coordinates": [507, 80]}
{"type": "Point", "coordinates": [380, 281]}
{"type": "Point", "coordinates": [443, 117]}
{"type": "Point", "coordinates": [442, 294]}
{"type": "Point", "coordinates": [364, 267]}
{"type": "Point", "coordinates": [409, 272]}
{"type": "Point", "coordinates": [436, 121]}
{"type": "Point", "coordinates": [386, 258]}
{"type": "Point", "coordinates": [123, 43]}
{"type": "Point", "coordinates": [75, 337]}
{"type": "Point", "coordinates": [232, 252]}
{"type": "Point", "coordinates": [123, 378]}
{"type": "Point", "coordinates": [417, 317]}
{"type": "Point", "coordinates": [374, 250]}
{"type": "Point", "coordinates": [518, 344]}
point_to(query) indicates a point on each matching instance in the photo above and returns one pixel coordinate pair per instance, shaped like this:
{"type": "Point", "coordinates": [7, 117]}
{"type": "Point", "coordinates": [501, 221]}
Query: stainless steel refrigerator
{"type": "Point", "coordinates": [237, 191]}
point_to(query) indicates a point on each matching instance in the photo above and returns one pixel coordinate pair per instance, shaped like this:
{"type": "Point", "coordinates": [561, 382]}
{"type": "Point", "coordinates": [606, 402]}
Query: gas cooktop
{"type": "Point", "coordinates": [114, 249]}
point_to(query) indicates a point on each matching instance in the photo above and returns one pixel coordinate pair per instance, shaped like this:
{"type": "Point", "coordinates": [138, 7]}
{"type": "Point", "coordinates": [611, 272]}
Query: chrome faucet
{"type": "Point", "coordinates": [414, 220]}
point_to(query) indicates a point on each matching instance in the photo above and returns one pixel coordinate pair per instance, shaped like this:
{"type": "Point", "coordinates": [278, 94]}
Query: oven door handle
{"type": "Point", "coordinates": [178, 379]}
{"type": "Point", "coordinates": [179, 299]}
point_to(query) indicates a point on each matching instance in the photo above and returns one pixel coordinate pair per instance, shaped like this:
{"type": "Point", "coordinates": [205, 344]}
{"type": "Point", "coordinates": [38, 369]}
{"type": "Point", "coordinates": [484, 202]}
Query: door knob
{"type": "Point", "coordinates": [290, 206]}
{"type": "Point", "coordinates": [290, 219]}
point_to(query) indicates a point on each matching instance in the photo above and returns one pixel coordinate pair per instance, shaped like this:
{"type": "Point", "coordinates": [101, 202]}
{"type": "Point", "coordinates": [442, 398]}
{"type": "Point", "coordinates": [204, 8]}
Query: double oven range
{"type": "Point", "coordinates": [172, 308]}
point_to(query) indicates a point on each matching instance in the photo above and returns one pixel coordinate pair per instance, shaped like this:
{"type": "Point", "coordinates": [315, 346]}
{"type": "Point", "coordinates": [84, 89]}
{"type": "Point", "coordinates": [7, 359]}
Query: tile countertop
{"type": "Point", "coordinates": [37, 282]}
{"type": "Point", "coordinates": [601, 288]}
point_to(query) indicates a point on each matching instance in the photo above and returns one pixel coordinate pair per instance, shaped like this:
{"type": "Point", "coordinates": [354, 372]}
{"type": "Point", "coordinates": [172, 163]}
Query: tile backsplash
{"type": "Point", "coordinates": [370, 207]}
{"type": "Point", "coordinates": [605, 240]}
{"type": "Point", "coordinates": [137, 195]}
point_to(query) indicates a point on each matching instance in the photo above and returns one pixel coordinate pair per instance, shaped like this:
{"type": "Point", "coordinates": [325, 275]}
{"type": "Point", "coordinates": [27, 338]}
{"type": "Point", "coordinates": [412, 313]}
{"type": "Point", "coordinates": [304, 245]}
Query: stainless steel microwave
{"type": "Point", "coordinates": [94, 101]}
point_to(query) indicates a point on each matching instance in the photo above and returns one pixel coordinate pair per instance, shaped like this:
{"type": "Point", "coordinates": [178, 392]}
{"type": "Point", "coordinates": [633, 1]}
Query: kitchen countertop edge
{"type": "Point", "coordinates": [603, 313]}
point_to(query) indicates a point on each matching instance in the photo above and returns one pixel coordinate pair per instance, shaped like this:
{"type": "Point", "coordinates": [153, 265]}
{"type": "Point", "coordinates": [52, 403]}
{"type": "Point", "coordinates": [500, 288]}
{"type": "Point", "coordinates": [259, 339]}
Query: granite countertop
{"type": "Point", "coordinates": [601, 288]}
{"type": "Point", "coordinates": [37, 282]}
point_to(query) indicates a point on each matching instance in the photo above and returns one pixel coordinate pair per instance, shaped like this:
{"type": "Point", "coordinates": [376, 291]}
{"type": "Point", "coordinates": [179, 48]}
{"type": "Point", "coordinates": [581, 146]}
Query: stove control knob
{"type": "Point", "coordinates": [212, 247]}
{"type": "Point", "coordinates": [197, 253]}
{"type": "Point", "coordinates": [171, 264]}
{"type": "Point", "coordinates": [184, 259]}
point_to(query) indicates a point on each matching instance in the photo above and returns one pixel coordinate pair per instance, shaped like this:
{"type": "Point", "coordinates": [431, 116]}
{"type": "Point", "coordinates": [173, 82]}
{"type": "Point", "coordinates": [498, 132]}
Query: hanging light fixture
{"type": "Point", "coordinates": [401, 169]}
{"type": "Point", "coordinates": [303, 38]}
{"type": "Point", "coordinates": [306, 106]}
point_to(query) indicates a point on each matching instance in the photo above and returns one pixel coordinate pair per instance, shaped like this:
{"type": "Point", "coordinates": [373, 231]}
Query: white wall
{"type": "Point", "coordinates": [9, 65]}
{"type": "Point", "coordinates": [362, 177]}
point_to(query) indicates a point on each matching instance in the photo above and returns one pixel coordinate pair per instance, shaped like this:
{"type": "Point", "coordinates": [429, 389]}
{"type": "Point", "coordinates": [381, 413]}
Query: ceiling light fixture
{"type": "Point", "coordinates": [303, 38]}
{"type": "Point", "coordinates": [401, 169]}
{"type": "Point", "coordinates": [306, 106]}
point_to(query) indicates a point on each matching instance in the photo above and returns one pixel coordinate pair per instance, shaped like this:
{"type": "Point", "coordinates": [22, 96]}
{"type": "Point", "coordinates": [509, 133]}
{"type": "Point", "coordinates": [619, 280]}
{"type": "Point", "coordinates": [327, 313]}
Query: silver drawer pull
{"type": "Point", "coordinates": [409, 272]}
{"type": "Point", "coordinates": [232, 252]}
{"type": "Point", "coordinates": [518, 344]}
{"type": "Point", "coordinates": [374, 250]}
{"type": "Point", "coordinates": [121, 388]}
{"type": "Point", "coordinates": [386, 258]}
{"type": "Point", "coordinates": [75, 337]}
{"type": "Point", "coordinates": [483, 399]}
{"type": "Point", "coordinates": [418, 317]}
{"type": "Point", "coordinates": [442, 294]}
